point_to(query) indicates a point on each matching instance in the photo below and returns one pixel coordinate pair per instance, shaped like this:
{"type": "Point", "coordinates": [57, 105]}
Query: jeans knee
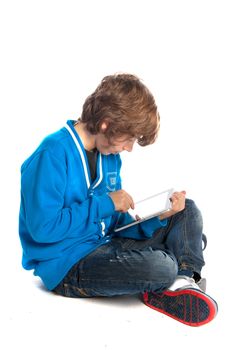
{"type": "Point", "coordinates": [193, 211]}
{"type": "Point", "coordinates": [191, 205]}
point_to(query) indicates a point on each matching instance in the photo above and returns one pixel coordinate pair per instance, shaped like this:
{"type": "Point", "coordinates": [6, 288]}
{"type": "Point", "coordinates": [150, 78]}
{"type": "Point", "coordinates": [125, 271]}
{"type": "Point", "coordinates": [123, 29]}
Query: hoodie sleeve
{"type": "Point", "coordinates": [143, 230]}
{"type": "Point", "coordinates": [43, 187]}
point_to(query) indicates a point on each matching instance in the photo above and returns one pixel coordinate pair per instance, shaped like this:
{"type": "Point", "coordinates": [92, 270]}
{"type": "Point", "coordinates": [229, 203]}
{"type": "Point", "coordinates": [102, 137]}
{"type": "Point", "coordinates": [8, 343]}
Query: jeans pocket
{"type": "Point", "coordinates": [71, 291]}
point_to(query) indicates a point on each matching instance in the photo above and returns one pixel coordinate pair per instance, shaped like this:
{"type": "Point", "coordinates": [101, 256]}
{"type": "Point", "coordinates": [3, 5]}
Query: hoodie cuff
{"type": "Point", "coordinates": [106, 206]}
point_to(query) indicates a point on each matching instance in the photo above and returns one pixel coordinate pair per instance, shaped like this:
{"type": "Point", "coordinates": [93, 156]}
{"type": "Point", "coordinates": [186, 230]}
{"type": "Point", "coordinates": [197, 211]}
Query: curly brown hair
{"type": "Point", "coordinates": [126, 105]}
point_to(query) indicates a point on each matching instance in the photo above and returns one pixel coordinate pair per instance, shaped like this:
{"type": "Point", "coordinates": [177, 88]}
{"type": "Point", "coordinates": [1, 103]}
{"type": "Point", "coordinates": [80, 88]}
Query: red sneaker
{"type": "Point", "coordinates": [190, 306]}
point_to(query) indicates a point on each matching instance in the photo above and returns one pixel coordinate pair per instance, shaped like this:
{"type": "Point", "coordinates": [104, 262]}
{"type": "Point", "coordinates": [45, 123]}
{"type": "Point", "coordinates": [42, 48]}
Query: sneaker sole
{"type": "Point", "coordinates": [189, 306]}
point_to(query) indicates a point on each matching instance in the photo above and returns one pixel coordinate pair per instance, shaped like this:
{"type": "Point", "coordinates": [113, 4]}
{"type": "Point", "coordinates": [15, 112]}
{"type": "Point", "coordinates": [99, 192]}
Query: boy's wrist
{"type": "Point", "coordinates": [166, 215]}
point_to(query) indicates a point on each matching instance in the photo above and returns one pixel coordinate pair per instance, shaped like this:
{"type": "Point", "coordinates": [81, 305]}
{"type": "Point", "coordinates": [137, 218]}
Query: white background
{"type": "Point", "coordinates": [53, 55]}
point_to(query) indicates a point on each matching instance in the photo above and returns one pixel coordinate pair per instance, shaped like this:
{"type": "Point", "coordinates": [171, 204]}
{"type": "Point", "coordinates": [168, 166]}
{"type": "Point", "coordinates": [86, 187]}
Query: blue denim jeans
{"type": "Point", "coordinates": [127, 266]}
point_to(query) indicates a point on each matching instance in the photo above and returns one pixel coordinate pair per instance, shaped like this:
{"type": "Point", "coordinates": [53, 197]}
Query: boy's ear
{"type": "Point", "coordinates": [104, 126]}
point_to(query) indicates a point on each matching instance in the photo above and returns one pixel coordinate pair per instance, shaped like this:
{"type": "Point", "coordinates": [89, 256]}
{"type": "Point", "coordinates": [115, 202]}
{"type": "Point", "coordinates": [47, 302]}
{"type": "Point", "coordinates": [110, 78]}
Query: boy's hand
{"type": "Point", "coordinates": [122, 200]}
{"type": "Point", "coordinates": [178, 204]}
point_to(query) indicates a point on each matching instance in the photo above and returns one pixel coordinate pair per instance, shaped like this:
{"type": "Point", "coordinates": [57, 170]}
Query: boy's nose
{"type": "Point", "coordinates": [128, 148]}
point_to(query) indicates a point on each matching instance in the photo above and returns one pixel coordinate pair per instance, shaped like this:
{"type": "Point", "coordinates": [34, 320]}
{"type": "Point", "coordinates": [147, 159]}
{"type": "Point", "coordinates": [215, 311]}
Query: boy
{"type": "Point", "coordinates": [71, 201]}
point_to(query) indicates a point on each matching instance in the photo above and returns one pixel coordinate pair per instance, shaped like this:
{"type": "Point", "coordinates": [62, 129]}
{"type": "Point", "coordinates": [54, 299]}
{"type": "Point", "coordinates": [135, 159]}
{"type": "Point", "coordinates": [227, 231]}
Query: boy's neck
{"type": "Point", "coordinates": [88, 139]}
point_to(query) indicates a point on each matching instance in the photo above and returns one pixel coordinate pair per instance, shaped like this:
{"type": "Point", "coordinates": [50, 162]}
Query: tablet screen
{"type": "Point", "coordinates": [152, 205]}
{"type": "Point", "coordinates": [149, 207]}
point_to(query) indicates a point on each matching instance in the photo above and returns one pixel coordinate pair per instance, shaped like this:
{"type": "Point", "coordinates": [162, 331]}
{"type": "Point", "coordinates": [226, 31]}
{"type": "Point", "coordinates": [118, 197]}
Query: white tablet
{"type": "Point", "coordinates": [149, 207]}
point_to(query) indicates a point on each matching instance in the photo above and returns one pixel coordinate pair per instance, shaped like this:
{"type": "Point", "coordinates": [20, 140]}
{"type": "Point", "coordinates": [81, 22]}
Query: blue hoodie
{"type": "Point", "coordinates": [63, 215]}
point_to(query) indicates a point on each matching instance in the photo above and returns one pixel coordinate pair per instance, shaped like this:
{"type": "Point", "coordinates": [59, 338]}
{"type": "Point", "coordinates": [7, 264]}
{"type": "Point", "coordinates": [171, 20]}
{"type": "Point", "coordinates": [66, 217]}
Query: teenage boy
{"type": "Point", "coordinates": [71, 201]}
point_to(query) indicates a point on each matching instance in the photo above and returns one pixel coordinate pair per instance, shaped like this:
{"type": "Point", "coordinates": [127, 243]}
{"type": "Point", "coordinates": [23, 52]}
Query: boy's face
{"type": "Point", "coordinates": [117, 145]}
